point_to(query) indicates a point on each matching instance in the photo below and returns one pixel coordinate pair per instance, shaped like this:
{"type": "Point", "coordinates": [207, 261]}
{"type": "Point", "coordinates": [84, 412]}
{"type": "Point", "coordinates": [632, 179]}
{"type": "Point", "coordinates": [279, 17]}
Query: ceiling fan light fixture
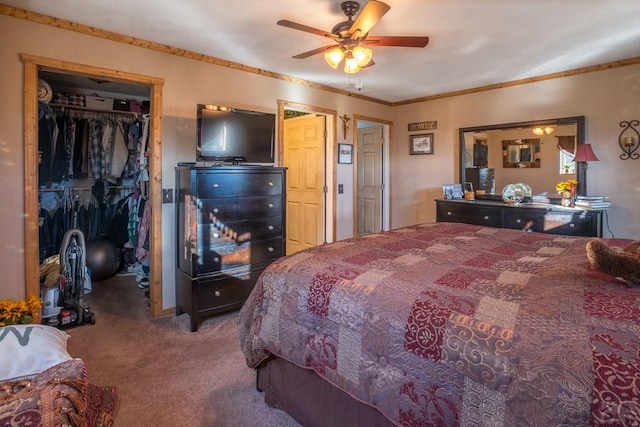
{"type": "Point", "coordinates": [351, 65]}
{"type": "Point", "coordinates": [334, 57]}
{"type": "Point", "coordinates": [362, 55]}
{"type": "Point", "coordinates": [543, 130]}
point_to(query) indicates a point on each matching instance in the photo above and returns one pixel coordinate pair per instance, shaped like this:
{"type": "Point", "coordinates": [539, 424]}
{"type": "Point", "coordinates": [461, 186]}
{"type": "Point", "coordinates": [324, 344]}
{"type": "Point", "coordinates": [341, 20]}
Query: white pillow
{"type": "Point", "coordinates": [30, 349]}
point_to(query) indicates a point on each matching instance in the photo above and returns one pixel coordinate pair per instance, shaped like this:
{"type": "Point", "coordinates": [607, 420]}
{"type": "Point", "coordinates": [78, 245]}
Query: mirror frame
{"type": "Point", "coordinates": [578, 121]}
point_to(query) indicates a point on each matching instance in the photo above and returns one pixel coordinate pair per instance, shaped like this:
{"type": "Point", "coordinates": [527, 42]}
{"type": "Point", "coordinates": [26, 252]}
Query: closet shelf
{"type": "Point", "coordinates": [95, 110]}
{"type": "Point", "coordinates": [61, 189]}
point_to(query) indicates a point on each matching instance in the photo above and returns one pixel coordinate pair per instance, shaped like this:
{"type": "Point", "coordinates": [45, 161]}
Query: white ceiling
{"type": "Point", "coordinates": [473, 43]}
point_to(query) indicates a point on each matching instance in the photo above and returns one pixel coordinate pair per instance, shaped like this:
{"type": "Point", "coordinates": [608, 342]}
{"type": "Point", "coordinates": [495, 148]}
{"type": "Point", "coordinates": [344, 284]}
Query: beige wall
{"type": "Point", "coordinates": [605, 98]}
{"type": "Point", "coordinates": [187, 83]}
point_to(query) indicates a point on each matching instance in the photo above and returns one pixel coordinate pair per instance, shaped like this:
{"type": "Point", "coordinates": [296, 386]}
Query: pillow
{"type": "Point", "coordinates": [622, 263]}
{"type": "Point", "coordinates": [30, 349]}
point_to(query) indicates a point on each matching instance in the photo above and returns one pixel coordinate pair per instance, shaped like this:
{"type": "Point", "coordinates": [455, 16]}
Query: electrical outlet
{"type": "Point", "coordinates": [340, 188]}
{"type": "Point", "coordinates": [167, 195]}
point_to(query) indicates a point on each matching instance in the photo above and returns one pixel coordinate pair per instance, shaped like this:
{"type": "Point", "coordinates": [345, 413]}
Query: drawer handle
{"type": "Point", "coordinates": [270, 249]}
{"type": "Point", "coordinates": [216, 293]}
{"type": "Point", "coordinates": [572, 225]}
{"type": "Point", "coordinates": [215, 186]}
{"type": "Point", "coordinates": [449, 213]}
{"type": "Point", "coordinates": [215, 210]}
{"type": "Point", "coordinates": [270, 184]}
{"type": "Point", "coordinates": [216, 235]}
{"type": "Point", "coordinates": [270, 228]}
{"type": "Point", "coordinates": [270, 205]}
{"type": "Point", "coordinates": [518, 221]}
{"type": "Point", "coordinates": [216, 259]}
{"type": "Point", "coordinates": [486, 217]}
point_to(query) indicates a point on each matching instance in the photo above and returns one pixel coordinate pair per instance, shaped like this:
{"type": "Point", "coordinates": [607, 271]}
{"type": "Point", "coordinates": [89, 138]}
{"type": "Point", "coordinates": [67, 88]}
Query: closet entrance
{"type": "Point", "coordinates": [108, 181]}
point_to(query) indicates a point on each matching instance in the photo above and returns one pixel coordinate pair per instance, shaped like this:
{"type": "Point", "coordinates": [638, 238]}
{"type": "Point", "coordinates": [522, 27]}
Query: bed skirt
{"type": "Point", "coordinates": [310, 400]}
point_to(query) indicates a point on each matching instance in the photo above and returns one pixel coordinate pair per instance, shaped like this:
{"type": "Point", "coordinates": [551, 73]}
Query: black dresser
{"type": "Point", "coordinates": [230, 226]}
{"type": "Point", "coordinates": [552, 219]}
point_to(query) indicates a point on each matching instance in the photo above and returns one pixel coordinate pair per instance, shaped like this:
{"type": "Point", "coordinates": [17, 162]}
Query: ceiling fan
{"type": "Point", "coordinates": [352, 37]}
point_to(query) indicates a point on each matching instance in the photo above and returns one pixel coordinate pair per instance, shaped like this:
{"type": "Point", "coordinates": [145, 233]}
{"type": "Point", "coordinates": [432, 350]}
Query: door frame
{"type": "Point", "coordinates": [331, 157]}
{"type": "Point", "coordinates": [32, 65]}
{"type": "Point", "coordinates": [386, 170]}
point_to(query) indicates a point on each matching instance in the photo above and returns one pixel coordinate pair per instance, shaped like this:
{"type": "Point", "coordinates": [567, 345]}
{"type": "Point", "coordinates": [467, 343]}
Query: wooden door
{"type": "Point", "coordinates": [303, 154]}
{"type": "Point", "coordinates": [369, 185]}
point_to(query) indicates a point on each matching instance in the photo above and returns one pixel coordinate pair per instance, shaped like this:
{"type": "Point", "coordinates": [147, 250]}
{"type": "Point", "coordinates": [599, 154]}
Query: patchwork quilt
{"type": "Point", "coordinates": [454, 324]}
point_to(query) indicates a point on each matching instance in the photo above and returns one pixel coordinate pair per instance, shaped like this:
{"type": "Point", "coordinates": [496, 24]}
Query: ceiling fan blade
{"type": "Point", "coordinates": [402, 41]}
{"type": "Point", "coordinates": [370, 15]}
{"type": "Point", "coordinates": [305, 28]}
{"type": "Point", "coordinates": [313, 52]}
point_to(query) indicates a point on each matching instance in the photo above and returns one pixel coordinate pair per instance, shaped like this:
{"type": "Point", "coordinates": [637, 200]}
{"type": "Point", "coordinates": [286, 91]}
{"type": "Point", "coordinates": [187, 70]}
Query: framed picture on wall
{"type": "Point", "coordinates": [421, 144]}
{"type": "Point", "coordinates": [345, 153]}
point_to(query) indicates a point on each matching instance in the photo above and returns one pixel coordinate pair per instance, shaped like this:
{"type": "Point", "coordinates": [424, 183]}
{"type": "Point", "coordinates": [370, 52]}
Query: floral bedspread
{"type": "Point", "coordinates": [454, 324]}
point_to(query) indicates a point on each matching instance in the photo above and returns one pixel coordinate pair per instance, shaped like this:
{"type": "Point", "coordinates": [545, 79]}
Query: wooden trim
{"type": "Point", "coordinates": [30, 132]}
{"type": "Point", "coordinates": [519, 82]}
{"type": "Point", "coordinates": [57, 65]}
{"type": "Point", "coordinates": [146, 44]}
{"type": "Point", "coordinates": [34, 63]}
{"type": "Point", "coordinates": [155, 198]}
{"type": "Point", "coordinates": [134, 41]}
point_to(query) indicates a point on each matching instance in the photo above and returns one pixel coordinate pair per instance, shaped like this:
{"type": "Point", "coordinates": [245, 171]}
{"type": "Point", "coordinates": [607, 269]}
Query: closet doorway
{"type": "Point", "coordinates": [32, 66]}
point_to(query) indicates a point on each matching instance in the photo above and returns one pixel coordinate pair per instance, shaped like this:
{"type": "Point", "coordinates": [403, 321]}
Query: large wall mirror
{"type": "Point", "coordinates": [538, 153]}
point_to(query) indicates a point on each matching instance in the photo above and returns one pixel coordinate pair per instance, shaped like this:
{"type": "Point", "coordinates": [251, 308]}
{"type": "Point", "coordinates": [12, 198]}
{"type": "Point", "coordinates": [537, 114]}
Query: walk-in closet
{"type": "Point", "coordinates": [93, 176]}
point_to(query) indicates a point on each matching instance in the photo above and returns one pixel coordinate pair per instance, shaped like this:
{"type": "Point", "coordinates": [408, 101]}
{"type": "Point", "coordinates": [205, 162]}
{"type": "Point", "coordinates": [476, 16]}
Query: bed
{"type": "Point", "coordinates": [446, 324]}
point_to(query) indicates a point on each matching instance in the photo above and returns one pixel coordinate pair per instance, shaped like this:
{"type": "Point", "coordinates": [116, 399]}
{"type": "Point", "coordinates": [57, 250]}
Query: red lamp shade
{"type": "Point", "coordinates": [584, 153]}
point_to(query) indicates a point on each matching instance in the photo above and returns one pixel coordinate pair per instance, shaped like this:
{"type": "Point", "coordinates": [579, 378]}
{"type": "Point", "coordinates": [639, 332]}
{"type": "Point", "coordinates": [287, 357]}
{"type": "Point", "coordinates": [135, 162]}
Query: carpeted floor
{"type": "Point", "coordinates": [165, 374]}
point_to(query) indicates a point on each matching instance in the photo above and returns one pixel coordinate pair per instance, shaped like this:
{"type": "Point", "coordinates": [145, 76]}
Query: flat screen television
{"type": "Point", "coordinates": [234, 135]}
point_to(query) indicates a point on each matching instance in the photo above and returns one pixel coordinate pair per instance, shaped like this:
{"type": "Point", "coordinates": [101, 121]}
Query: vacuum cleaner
{"type": "Point", "coordinates": [72, 283]}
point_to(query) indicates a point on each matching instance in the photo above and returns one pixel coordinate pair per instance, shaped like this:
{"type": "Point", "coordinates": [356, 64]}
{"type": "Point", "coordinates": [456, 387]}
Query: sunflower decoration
{"type": "Point", "coordinates": [568, 186]}
{"type": "Point", "coordinates": [19, 312]}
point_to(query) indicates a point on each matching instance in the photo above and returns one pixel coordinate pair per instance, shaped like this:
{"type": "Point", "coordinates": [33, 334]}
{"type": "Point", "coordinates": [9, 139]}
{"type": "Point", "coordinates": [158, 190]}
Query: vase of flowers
{"type": "Point", "coordinates": [19, 312]}
{"type": "Point", "coordinates": [567, 189]}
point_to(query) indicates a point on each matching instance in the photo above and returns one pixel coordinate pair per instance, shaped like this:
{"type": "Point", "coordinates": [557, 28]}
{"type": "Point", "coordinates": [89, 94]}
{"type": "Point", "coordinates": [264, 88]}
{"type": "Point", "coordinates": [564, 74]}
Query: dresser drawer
{"type": "Point", "coordinates": [219, 233]}
{"type": "Point", "coordinates": [210, 185]}
{"type": "Point", "coordinates": [219, 293]}
{"type": "Point", "coordinates": [226, 209]}
{"type": "Point", "coordinates": [469, 213]}
{"type": "Point", "coordinates": [523, 219]}
{"type": "Point", "coordinates": [232, 257]}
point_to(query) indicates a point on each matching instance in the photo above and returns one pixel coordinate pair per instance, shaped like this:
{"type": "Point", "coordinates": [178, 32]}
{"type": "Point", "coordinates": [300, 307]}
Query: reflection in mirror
{"type": "Point", "coordinates": [521, 153]}
{"type": "Point", "coordinates": [494, 156]}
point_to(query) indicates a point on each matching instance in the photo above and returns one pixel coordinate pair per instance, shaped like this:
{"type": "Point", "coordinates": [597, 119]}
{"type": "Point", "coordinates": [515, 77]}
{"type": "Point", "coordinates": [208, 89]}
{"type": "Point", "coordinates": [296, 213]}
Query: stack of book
{"type": "Point", "coordinates": [593, 202]}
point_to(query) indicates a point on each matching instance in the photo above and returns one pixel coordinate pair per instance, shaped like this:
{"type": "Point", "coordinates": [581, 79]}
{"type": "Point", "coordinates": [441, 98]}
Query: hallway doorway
{"type": "Point", "coordinates": [306, 147]}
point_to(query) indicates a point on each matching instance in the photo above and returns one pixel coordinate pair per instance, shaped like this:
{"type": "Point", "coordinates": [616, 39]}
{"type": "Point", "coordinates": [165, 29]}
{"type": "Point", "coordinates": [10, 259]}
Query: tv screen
{"type": "Point", "coordinates": [234, 135]}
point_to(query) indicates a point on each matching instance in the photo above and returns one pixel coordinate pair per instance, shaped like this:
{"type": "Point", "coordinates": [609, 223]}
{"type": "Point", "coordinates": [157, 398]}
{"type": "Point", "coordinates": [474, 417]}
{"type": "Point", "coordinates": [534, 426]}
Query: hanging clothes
{"type": "Point", "coordinates": [103, 148]}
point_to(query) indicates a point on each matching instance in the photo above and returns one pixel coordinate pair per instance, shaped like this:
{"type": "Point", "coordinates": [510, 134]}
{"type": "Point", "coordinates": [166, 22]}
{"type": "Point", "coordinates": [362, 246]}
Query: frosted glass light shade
{"type": "Point", "coordinates": [351, 65]}
{"type": "Point", "coordinates": [334, 57]}
{"type": "Point", "coordinates": [543, 131]}
{"type": "Point", "coordinates": [362, 55]}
